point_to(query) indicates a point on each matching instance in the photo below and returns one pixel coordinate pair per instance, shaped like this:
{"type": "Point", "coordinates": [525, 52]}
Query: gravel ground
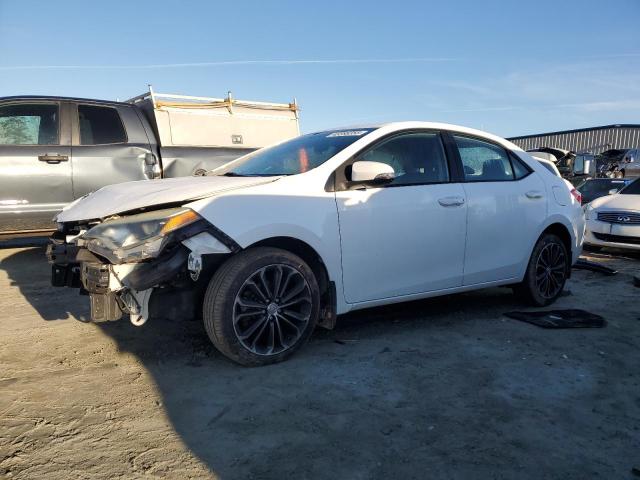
{"type": "Point", "coordinates": [442, 388]}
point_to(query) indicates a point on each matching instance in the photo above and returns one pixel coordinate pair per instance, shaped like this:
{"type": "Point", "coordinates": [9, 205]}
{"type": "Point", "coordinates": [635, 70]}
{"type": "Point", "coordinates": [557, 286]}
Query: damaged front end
{"type": "Point", "coordinates": [122, 261]}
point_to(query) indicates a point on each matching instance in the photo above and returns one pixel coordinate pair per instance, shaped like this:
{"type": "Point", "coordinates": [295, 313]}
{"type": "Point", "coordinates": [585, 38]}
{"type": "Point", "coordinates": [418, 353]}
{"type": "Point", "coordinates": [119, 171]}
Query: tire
{"type": "Point", "coordinates": [546, 273]}
{"type": "Point", "coordinates": [246, 321]}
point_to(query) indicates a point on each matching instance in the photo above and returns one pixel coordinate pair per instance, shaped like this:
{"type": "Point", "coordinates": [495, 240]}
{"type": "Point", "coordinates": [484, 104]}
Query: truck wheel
{"type": "Point", "coordinates": [546, 272]}
{"type": "Point", "coordinates": [261, 306]}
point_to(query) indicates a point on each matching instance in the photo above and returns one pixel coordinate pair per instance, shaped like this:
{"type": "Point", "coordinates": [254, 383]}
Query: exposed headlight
{"type": "Point", "coordinates": [137, 237]}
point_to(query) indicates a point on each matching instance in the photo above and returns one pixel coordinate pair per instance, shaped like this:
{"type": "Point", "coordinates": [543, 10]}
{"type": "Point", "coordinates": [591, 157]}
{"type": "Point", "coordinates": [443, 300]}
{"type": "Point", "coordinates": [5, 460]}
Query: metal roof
{"type": "Point", "coordinates": [576, 130]}
{"type": "Point", "coordinates": [594, 139]}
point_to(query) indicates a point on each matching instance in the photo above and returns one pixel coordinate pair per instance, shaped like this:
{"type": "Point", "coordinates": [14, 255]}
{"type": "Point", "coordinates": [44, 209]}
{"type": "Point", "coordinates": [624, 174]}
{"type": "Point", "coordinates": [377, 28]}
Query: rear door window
{"type": "Point", "coordinates": [100, 125]}
{"type": "Point", "coordinates": [29, 124]}
{"type": "Point", "coordinates": [483, 161]}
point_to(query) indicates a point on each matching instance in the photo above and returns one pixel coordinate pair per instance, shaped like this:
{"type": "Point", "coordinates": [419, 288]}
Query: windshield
{"type": "Point", "coordinates": [298, 155]}
{"type": "Point", "coordinates": [600, 186]}
{"type": "Point", "coordinates": [632, 189]}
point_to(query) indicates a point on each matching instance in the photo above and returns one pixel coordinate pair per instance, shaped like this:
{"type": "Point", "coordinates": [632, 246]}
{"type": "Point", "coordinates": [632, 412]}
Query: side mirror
{"type": "Point", "coordinates": [151, 166]}
{"type": "Point", "coordinates": [613, 191]}
{"type": "Point", "coordinates": [371, 173]}
{"type": "Point", "coordinates": [150, 159]}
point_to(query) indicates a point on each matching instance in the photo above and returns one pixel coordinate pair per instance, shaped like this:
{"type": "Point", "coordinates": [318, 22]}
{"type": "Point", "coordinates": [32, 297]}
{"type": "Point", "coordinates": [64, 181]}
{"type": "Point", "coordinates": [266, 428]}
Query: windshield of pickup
{"type": "Point", "coordinates": [295, 156]}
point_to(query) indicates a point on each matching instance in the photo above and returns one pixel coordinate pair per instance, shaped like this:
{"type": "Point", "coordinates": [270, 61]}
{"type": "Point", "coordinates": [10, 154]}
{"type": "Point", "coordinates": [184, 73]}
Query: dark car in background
{"type": "Point", "coordinates": [619, 163]}
{"type": "Point", "coordinates": [593, 188]}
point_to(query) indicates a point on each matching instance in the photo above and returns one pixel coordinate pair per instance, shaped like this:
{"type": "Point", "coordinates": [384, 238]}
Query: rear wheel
{"type": "Point", "coordinates": [546, 273]}
{"type": "Point", "coordinates": [261, 306]}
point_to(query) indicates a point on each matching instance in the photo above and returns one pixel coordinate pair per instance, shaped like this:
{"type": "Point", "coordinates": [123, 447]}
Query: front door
{"type": "Point", "coordinates": [407, 237]}
{"type": "Point", "coordinates": [35, 170]}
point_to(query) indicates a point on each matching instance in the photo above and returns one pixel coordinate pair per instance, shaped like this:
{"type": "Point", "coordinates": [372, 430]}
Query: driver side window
{"type": "Point", "coordinates": [416, 158]}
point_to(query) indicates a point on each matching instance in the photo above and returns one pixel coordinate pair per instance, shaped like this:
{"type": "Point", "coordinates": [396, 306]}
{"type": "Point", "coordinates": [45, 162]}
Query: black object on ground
{"type": "Point", "coordinates": [594, 267]}
{"type": "Point", "coordinates": [569, 318]}
{"type": "Point", "coordinates": [636, 280]}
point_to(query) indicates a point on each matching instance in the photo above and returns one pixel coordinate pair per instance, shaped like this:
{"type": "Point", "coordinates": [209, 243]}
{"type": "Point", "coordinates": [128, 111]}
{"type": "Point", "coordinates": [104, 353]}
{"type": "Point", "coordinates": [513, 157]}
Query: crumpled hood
{"type": "Point", "coordinates": [617, 202]}
{"type": "Point", "coordinates": [124, 197]}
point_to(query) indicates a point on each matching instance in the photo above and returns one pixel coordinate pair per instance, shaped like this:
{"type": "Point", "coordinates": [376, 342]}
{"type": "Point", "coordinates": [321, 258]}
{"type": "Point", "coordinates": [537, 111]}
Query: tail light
{"type": "Point", "coordinates": [577, 195]}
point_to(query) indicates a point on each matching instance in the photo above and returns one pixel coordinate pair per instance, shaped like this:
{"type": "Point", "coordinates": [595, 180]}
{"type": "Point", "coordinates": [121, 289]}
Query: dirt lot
{"type": "Point", "coordinates": [444, 388]}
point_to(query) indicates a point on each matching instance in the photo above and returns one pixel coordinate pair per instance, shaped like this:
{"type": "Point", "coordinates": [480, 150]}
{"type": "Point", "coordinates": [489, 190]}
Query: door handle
{"type": "Point", "coordinates": [451, 201]}
{"type": "Point", "coordinates": [534, 194]}
{"type": "Point", "coordinates": [53, 158]}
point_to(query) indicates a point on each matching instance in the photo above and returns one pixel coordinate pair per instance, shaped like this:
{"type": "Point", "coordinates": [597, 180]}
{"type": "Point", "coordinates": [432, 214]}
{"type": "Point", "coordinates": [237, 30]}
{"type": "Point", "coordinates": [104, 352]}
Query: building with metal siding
{"type": "Point", "coordinates": [595, 139]}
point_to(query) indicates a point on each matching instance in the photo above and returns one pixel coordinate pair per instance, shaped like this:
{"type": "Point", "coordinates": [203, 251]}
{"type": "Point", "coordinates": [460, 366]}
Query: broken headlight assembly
{"type": "Point", "coordinates": [138, 237]}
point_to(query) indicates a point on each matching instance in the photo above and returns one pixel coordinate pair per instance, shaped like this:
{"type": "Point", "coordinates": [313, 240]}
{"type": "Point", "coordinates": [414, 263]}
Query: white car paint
{"type": "Point", "coordinates": [388, 233]}
{"type": "Point", "coordinates": [379, 245]}
{"type": "Point", "coordinates": [129, 196]}
{"type": "Point", "coordinates": [496, 208]}
{"type": "Point", "coordinates": [549, 165]}
{"type": "Point", "coordinates": [622, 204]}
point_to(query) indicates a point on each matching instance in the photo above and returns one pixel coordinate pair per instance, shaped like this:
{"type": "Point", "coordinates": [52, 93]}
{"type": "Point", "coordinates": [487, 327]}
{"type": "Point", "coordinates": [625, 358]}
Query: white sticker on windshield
{"type": "Point", "coordinates": [348, 133]}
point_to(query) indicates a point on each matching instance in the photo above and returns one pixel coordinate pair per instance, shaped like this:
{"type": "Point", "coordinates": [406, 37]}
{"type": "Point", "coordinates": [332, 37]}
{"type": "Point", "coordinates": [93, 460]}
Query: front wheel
{"type": "Point", "coordinates": [261, 306]}
{"type": "Point", "coordinates": [546, 273]}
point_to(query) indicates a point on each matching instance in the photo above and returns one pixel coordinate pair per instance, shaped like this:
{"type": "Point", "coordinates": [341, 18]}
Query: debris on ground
{"type": "Point", "coordinates": [570, 318]}
{"type": "Point", "coordinates": [583, 264]}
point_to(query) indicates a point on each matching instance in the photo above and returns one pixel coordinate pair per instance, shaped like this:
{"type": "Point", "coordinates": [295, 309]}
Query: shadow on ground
{"type": "Point", "coordinates": [441, 388]}
{"type": "Point", "coordinates": [28, 270]}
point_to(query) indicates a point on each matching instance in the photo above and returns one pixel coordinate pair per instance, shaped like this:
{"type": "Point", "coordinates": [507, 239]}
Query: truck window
{"type": "Point", "coordinates": [29, 124]}
{"type": "Point", "coordinates": [100, 125]}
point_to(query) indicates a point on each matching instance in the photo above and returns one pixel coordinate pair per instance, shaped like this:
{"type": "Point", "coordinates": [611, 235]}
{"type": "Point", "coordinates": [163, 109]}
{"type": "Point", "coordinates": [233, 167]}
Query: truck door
{"type": "Point", "coordinates": [35, 172]}
{"type": "Point", "coordinates": [109, 146]}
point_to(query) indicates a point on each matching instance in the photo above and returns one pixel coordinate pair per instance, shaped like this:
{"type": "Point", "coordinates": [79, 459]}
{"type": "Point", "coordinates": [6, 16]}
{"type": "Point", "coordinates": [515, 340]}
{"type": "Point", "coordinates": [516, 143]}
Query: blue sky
{"type": "Point", "coordinates": [508, 67]}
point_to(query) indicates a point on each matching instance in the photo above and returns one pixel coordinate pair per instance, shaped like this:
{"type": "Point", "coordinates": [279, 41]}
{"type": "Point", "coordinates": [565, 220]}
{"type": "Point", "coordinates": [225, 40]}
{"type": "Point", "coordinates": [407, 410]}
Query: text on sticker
{"type": "Point", "coordinates": [349, 133]}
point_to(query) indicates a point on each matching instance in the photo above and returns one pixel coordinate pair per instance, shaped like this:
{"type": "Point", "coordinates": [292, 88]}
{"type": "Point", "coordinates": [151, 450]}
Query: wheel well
{"type": "Point", "coordinates": [305, 252]}
{"type": "Point", "coordinates": [562, 232]}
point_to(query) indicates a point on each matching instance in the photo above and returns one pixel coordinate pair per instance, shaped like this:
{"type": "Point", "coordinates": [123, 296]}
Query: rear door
{"type": "Point", "coordinates": [506, 206]}
{"type": "Point", "coordinates": [104, 152]}
{"type": "Point", "coordinates": [35, 171]}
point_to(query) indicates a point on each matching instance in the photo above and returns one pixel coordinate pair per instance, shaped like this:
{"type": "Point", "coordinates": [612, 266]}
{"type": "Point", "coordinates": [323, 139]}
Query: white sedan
{"type": "Point", "coordinates": [614, 220]}
{"type": "Point", "coordinates": [290, 236]}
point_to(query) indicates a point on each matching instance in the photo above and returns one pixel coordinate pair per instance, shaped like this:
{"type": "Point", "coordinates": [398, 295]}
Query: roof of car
{"type": "Point", "coordinates": [449, 126]}
{"type": "Point", "coordinates": [427, 125]}
{"type": "Point", "coordinates": [57, 99]}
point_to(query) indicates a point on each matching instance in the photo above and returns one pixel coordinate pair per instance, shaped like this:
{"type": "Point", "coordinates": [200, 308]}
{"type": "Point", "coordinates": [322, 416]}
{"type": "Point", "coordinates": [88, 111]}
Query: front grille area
{"type": "Point", "coordinates": [605, 237]}
{"type": "Point", "coordinates": [623, 218]}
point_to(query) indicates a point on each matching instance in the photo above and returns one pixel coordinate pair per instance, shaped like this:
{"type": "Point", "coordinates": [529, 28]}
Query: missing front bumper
{"type": "Point", "coordinates": [105, 307]}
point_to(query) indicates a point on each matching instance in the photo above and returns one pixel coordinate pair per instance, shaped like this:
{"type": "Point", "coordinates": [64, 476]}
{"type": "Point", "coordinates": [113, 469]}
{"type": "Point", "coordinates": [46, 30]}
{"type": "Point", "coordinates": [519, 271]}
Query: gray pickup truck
{"type": "Point", "coordinates": [54, 150]}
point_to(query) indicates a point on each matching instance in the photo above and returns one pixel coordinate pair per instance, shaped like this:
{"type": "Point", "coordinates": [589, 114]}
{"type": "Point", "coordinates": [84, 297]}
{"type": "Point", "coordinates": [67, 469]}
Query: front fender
{"type": "Point", "coordinates": [251, 217]}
